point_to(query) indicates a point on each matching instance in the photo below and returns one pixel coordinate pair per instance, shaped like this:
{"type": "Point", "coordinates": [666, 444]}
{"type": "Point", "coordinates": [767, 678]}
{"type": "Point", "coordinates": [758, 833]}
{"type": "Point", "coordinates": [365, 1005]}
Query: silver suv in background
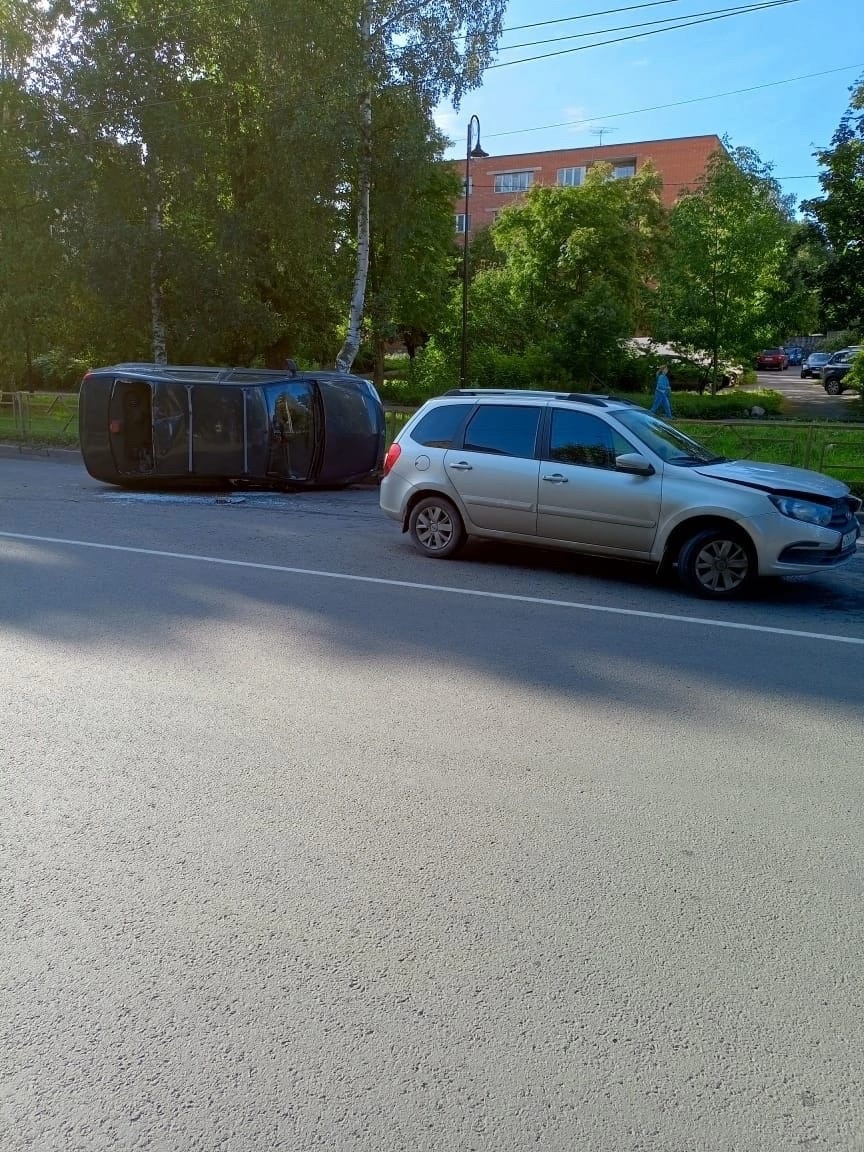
{"type": "Point", "coordinates": [597, 475]}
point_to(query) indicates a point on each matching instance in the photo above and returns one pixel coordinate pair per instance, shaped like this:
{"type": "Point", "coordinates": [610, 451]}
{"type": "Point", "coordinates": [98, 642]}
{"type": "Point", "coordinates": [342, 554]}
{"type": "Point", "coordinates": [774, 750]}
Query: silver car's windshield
{"type": "Point", "coordinates": [665, 441]}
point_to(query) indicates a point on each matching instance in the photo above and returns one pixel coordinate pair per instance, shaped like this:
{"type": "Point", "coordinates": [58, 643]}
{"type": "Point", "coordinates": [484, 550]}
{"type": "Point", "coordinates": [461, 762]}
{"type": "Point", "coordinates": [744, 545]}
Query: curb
{"type": "Point", "coordinates": [41, 452]}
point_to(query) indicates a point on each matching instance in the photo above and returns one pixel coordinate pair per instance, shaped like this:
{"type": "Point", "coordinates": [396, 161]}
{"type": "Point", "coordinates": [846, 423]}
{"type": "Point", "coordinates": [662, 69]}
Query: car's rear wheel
{"type": "Point", "coordinates": [833, 387]}
{"type": "Point", "coordinates": [717, 563]}
{"type": "Point", "coordinates": [436, 527]}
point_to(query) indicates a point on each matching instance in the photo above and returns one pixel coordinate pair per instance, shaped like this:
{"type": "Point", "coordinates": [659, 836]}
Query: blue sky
{"type": "Point", "coordinates": [784, 123]}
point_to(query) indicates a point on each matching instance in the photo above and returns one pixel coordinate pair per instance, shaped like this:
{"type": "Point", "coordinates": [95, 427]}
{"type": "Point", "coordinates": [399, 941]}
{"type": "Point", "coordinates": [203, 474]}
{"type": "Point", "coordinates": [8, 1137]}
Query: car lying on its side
{"type": "Point", "coordinates": [149, 424]}
{"type": "Point", "coordinates": [682, 361]}
{"type": "Point", "coordinates": [597, 475]}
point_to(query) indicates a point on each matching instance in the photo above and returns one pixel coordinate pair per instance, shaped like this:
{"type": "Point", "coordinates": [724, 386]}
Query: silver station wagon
{"type": "Point", "coordinates": [598, 475]}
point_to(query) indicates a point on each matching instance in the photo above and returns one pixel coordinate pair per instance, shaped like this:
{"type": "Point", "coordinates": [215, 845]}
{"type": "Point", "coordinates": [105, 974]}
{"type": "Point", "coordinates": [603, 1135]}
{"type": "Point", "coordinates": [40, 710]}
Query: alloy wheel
{"type": "Point", "coordinates": [721, 566]}
{"type": "Point", "coordinates": [434, 528]}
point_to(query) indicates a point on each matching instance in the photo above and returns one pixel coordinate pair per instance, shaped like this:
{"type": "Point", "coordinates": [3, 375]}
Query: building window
{"type": "Point", "coordinates": [623, 170]}
{"type": "Point", "coordinates": [470, 185]}
{"type": "Point", "coordinates": [513, 181]}
{"type": "Point", "coordinates": [570, 177]}
{"type": "Point", "coordinates": [463, 223]}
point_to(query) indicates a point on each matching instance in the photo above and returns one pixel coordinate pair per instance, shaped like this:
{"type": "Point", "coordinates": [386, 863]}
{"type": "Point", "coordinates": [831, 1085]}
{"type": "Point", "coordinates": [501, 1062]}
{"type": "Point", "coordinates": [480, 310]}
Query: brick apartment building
{"type": "Point", "coordinates": [497, 181]}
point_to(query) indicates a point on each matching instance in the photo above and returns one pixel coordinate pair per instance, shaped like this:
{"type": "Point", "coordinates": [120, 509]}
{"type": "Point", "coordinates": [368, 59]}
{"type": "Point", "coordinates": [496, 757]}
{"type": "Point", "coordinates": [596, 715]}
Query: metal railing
{"type": "Point", "coordinates": [38, 417]}
{"type": "Point", "coordinates": [825, 447]}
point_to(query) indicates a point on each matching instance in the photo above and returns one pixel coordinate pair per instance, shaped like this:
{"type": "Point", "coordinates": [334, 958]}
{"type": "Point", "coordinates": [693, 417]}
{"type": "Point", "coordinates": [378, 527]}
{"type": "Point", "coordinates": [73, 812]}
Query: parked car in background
{"type": "Point", "coordinates": [811, 365]}
{"type": "Point", "coordinates": [152, 424]}
{"type": "Point", "coordinates": [772, 359]}
{"type": "Point", "coordinates": [687, 367]}
{"type": "Point", "coordinates": [794, 355]}
{"type": "Point", "coordinates": [602, 476]}
{"type": "Point", "coordinates": [833, 373]}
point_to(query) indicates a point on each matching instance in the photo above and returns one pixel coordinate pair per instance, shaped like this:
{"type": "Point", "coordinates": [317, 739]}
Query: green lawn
{"type": "Point", "coordinates": [833, 448]}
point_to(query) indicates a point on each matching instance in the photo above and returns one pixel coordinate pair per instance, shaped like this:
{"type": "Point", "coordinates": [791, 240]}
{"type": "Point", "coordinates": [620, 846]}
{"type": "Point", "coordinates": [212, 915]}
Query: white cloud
{"type": "Point", "coordinates": [447, 121]}
{"type": "Point", "coordinates": [575, 116]}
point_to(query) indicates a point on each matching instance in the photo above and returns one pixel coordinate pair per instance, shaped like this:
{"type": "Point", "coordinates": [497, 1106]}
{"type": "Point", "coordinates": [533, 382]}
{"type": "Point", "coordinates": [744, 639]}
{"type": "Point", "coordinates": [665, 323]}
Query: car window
{"type": "Point", "coordinates": [669, 444]}
{"type": "Point", "coordinates": [504, 430]}
{"type": "Point", "coordinates": [580, 438]}
{"type": "Point", "coordinates": [438, 428]}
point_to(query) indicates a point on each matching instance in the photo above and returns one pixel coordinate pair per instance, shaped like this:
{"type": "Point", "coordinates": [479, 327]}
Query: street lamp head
{"type": "Point", "coordinates": [477, 152]}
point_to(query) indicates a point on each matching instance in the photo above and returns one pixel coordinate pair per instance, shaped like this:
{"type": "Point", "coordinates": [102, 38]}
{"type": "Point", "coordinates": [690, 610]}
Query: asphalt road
{"type": "Point", "coordinates": [307, 842]}
{"type": "Point", "coordinates": [808, 397]}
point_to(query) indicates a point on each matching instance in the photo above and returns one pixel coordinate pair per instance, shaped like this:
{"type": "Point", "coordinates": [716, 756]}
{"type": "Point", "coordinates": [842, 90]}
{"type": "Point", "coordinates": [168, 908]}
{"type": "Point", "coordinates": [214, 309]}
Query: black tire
{"type": "Point", "coordinates": [436, 527]}
{"type": "Point", "coordinates": [717, 563]}
{"type": "Point", "coordinates": [834, 387]}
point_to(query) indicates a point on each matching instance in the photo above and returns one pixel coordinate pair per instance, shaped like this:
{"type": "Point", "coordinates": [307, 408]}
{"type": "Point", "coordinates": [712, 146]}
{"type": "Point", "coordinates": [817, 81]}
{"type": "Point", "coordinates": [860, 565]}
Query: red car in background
{"type": "Point", "coordinates": [774, 358]}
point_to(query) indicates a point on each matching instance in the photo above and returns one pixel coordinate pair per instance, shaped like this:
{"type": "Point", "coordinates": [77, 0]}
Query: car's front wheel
{"type": "Point", "coordinates": [717, 563]}
{"type": "Point", "coordinates": [833, 387]}
{"type": "Point", "coordinates": [436, 527]}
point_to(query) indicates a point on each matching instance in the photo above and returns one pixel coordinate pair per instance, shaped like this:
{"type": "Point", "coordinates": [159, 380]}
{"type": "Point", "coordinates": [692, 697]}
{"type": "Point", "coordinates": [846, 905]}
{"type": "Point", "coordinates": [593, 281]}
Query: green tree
{"type": "Point", "coordinates": [412, 255]}
{"type": "Point", "coordinates": [723, 264]}
{"type": "Point", "coordinates": [31, 264]}
{"type": "Point", "coordinates": [576, 263]}
{"type": "Point", "coordinates": [205, 148]}
{"type": "Point", "coordinates": [839, 216]}
{"type": "Point", "coordinates": [436, 49]}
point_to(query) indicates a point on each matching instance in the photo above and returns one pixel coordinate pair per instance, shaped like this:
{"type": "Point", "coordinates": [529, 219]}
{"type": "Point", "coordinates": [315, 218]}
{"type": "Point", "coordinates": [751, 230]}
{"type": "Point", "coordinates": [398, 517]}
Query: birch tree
{"type": "Point", "coordinates": [440, 49]}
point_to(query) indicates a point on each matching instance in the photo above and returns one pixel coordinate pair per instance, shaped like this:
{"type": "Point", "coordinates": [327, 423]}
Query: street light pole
{"type": "Point", "coordinates": [476, 153]}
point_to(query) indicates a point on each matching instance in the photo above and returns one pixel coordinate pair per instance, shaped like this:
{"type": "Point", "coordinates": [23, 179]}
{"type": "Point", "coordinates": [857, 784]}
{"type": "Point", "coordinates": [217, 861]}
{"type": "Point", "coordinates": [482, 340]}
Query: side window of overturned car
{"type": "Point", "coordinates": [293, 417]}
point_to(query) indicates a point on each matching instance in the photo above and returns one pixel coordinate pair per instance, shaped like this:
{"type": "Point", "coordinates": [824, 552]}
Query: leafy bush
{"type": "Point", "coordinates": [532, 368]}
{"type": "Point", "coordinates": [433, 371]}
{"type": "Point", "coordinates": [855, 375]}
{"type": "Point", "coordinates": [725, 405]}
{"type": "Point", "coordinates": [838, 340]}
{"type": "Point", "coordinates": [56, 371]}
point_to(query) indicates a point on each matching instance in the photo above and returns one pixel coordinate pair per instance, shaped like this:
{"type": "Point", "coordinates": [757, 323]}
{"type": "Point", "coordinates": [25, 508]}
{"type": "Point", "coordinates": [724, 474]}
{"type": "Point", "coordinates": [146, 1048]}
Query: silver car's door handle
{"type": "Point", "coordinates": [461, 466]}
{"type": "Point", "coordinates": [555, 478]}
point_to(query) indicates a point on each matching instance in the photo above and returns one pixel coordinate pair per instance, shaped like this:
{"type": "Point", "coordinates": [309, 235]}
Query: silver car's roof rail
{"type": "Point", "coordinates": [580, 397]}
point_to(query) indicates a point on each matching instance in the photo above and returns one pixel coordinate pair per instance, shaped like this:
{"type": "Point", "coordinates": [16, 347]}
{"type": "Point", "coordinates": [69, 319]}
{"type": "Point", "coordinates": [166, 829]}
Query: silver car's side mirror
{"type": "Point", "coordinates": [634, 464]}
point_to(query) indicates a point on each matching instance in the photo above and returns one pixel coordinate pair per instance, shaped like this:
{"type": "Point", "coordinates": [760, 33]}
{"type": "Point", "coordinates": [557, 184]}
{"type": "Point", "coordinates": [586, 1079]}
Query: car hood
{"type": "Point", "coordinates": [775, 478]}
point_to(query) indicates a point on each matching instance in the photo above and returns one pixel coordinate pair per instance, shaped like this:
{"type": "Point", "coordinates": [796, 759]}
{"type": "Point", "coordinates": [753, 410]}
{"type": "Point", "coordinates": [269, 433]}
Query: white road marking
{"type": "Point", "coordinates": [382, 581]}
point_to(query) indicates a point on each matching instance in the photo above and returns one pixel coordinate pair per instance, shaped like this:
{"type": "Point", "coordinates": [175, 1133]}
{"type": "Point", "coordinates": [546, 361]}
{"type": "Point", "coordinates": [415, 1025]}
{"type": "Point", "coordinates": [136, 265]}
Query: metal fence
{"type": "Point", "coordinates": [825, 447]}
{"type": "Point", "coordinates": [39, 416]}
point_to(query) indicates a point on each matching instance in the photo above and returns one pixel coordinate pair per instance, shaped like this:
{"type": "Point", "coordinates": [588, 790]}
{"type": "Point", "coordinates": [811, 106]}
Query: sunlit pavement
{"type": "Point", "coordinates": [309, 842]}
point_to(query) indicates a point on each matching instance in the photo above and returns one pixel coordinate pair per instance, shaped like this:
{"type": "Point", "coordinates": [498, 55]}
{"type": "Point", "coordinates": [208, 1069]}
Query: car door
{"type": "Point", "coordinates": [218, 430]}
{"type": "Point", "coordinates": [292, 431]}
{"type": "Point", "coordinates": [583, 499]}
{"type": "Point", "coordinates": [495, 471]}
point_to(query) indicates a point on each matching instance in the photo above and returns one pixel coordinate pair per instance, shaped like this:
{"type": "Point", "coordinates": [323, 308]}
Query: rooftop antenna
{"type": "Point", "coordinates": [601, 132]}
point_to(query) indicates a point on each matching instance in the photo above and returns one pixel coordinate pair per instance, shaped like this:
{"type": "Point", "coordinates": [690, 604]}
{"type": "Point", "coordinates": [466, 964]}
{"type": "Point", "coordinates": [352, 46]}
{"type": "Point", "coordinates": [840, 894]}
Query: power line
{"type": "Point", "coordinates": [640, 35]}
{"type": "Point", "coordinates": [674, 104]}
{"type": "Point", "coordinates": [668, 20]}
{"type": "Point", "coordinates": [588, 15]}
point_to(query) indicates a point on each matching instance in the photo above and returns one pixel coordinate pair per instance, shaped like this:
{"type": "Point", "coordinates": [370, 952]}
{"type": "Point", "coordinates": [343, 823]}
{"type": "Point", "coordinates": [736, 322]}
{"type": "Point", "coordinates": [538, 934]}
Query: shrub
{"type": "Point", "coordinates": [855, 375]}
{"type": "Point", "coordinates": [838, 340]}
{"type": "Point", "coordinates": [55, 371]}
{"type": "Point", "coordinates": [726, 405]}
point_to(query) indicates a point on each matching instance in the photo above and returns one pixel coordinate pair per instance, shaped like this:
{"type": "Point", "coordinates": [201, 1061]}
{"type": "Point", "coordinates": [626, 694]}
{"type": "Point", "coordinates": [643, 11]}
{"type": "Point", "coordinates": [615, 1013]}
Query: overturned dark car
{"type": "Point", "coordinates": [153, 424]}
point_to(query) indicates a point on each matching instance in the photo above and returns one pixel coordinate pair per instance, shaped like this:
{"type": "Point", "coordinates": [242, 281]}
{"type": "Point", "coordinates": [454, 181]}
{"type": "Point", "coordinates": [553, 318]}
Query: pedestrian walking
{"type": "Point", "coordinates": [662, 393]}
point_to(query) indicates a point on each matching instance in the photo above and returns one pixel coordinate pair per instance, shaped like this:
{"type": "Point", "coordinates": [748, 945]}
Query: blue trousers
{"type": "Point", "coordinates": [661, 405]}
